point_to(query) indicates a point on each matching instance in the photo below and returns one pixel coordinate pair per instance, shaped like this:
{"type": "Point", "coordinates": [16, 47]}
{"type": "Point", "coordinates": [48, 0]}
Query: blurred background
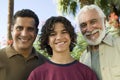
{"type": "Point", "coordinates": [47, 8]}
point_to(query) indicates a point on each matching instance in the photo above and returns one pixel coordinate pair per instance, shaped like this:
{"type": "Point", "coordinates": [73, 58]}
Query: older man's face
{"type": "Point", "coordinates": [92, 27]}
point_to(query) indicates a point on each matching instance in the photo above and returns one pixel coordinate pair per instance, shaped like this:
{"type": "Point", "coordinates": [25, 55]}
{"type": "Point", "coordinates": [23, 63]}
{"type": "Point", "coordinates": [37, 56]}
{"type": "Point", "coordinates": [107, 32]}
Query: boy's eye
{"type": "Point", "coordinates": [64, 31]}
{"type": "Point", "coordinates": [52, 34]}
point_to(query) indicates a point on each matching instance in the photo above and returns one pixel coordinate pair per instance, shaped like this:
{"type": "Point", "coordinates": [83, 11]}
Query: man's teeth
{"type": "Point", "coordinates": [24, 39]}
{"type": "Point", "coordinates": [90, 33]}
{"type": "Point", "coordinates": [87, 33]}
{"type": "Point", "coordinates": [95, 31]}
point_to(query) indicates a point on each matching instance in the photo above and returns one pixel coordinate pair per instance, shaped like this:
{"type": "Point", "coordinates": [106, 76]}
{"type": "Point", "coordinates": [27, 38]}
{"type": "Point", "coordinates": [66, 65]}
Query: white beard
{"type": "Point", "coordinates": [98, 40]}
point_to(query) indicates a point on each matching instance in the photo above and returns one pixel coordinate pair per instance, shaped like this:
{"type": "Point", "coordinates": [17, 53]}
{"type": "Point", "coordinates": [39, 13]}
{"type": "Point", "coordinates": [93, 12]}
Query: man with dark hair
{"type": "Point", "coordinates": [58, 38]}
{"type": "Point", "coordinates": [20, 58]}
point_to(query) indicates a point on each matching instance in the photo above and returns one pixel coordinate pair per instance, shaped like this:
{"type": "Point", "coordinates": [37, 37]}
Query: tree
{"type": "Point", "coordinates": [10, 15]}
{"type": "Point", "coordinates": [80, 46]}
{"type": "Point", "coordinates": [71, 6]}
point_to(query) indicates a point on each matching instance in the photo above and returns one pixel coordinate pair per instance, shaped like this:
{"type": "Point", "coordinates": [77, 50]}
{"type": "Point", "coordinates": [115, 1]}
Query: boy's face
{"type": "Point", "coordinates": [59, 39]}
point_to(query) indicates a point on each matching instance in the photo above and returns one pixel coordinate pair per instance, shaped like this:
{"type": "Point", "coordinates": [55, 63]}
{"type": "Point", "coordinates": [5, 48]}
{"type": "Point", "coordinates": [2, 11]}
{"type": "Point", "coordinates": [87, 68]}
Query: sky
{"type": "Point", "coordinates": [43, 8]}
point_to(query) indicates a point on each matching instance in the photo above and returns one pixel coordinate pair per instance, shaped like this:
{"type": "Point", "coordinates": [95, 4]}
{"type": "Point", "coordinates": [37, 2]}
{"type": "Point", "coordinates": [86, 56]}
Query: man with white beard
{"type": "Point", "coordinates": [103, 51]}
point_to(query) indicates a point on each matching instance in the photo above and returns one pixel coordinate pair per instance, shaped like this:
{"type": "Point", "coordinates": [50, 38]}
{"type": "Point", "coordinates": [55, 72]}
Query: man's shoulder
{"type": "Point", "coordinates": [117, 38]}
{"type": "Point", "coordinates": [3, 57]}
{"type": "Point", "coordinates": [2, 51]}
{"type": "Point", "coordinates": [41, 57]}
{"type": "Point", "coordinates": [117, 42]}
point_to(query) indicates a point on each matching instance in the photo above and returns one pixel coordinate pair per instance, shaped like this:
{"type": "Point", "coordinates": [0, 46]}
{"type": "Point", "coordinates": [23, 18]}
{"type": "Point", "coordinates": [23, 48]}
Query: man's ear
{"type": "Point", "coordinates": [11, 28]}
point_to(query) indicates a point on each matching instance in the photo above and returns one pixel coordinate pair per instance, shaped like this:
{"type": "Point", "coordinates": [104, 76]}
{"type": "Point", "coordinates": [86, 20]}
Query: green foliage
{"type": "Point", "coordinates": [70, 6]}
{"type": "Point", "coordinates": [67, 6]}
{"type": "Point", "coordinates": [37, 47]}
{"type": "Point", "coordinates": [80, 47]}
{"type": "Point", "coordinates": [115, 32]}
{"type": "Point", "coordinates": [73, 7]}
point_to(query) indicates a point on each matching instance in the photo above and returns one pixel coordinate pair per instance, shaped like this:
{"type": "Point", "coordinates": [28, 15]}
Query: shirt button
{"type": "Point", "coordinates": [101, 53]}
{"type": "Point", "coordinates": [103, 68]}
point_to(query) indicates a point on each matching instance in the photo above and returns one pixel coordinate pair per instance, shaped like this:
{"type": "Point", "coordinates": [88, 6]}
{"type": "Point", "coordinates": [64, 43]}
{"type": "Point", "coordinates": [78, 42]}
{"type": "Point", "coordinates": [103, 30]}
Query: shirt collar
{"type": "Point", "coordinates": [11, 52]}
{"type": "Point", "coordinates": [108, 40]}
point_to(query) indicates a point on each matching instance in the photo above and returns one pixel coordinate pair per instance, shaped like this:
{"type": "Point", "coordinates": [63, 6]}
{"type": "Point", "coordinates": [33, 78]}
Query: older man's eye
{"type": "Point", "coordinates": [83, 25]}
{"type": "Point", "coordinates": [93, 21]}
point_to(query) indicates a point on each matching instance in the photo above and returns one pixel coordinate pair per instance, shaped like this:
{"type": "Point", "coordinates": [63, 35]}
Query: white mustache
{"type": "Point", "coordinates": [93, 32]}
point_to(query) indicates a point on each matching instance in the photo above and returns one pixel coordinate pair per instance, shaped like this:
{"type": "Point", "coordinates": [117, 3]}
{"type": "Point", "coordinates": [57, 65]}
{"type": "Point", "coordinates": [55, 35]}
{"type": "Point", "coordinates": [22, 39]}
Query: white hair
{"type": "Point", "coordinates": [101, 14]}
{"type": "Point", "coordinates": [90, 7]}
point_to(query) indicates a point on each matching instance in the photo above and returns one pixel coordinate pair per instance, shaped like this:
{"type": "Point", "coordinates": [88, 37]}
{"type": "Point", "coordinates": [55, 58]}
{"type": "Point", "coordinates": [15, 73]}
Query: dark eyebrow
{"type": "Point", "coordinates": [64, 29]}
{"type": "Point", "coordinates": [88, 20]}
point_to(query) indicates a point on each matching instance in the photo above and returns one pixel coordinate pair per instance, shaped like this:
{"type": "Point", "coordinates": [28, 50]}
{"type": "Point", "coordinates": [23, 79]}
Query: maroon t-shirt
{"type": "Point", "coordinates": [71, 71]}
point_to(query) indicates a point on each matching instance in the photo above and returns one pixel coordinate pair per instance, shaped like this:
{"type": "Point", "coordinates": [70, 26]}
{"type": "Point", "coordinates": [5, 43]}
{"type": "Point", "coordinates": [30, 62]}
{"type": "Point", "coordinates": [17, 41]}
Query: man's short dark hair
{"type": "Point", "coordinates": [26, 13]}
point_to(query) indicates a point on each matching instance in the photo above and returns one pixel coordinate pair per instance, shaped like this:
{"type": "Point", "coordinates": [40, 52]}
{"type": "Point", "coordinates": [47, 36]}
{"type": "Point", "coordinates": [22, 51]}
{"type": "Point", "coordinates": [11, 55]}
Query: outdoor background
{"type": "Point", "coordinates": [68, 8]}
{"type": "Point", "coordinates": [43, 8]}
